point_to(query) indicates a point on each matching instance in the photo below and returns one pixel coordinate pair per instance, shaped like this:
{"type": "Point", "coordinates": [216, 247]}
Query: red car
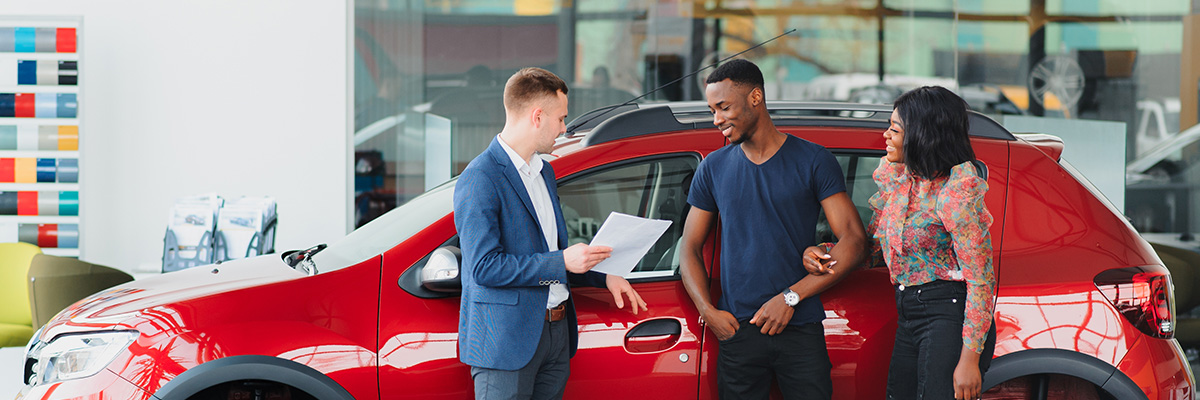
{"type": "Point", "coordinates": [1085, 307]}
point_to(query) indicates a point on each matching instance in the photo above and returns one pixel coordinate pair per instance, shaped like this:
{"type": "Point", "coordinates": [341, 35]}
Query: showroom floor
{"type": "Point", "coordinates": [12, 360]}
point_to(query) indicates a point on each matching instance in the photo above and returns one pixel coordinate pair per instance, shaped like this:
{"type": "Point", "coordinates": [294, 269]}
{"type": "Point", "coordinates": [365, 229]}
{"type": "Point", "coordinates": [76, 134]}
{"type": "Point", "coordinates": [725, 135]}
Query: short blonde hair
{"type": "Point", "coordinates": [529, 85]}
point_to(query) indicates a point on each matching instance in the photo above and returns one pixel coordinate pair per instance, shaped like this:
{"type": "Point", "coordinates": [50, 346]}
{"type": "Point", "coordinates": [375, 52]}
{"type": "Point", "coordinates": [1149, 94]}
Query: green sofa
{"type": "Point", "coordinates": [16, 319]}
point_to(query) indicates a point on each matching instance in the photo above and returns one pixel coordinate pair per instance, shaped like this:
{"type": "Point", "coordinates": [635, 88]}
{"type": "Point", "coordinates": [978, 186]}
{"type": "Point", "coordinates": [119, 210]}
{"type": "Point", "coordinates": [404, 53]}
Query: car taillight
{"type": "Point", "coordinates": [1144, 295]}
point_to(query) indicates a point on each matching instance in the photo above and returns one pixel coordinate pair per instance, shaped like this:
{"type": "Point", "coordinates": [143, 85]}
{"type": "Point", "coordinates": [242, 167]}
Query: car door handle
{"type": "Point", "coordinates": [653, 335]}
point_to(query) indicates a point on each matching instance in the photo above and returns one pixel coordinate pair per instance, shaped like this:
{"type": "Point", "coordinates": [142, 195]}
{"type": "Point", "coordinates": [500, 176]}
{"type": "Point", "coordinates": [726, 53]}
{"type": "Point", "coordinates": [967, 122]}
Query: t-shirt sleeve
{"type": "Point", "coordinates": [827, 175]}
{"type": "Point", "coordinates": [700, 195]}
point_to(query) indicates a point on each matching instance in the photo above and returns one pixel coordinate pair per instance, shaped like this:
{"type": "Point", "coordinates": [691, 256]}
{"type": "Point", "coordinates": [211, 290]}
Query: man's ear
{"type": "Point", "coordinates": [535, 116]}
{"type": "Point", "coordinates": [755, 98]}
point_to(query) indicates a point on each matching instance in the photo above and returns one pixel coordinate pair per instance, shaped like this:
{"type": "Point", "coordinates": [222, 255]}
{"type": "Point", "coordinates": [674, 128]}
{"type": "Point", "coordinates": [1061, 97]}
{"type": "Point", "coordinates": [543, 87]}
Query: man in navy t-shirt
{"type": "Point", "coordinates": [767, 189]}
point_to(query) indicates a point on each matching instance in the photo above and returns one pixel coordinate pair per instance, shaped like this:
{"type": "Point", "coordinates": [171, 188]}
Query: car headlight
{"type": "Point", "coordinates": [75, 356]}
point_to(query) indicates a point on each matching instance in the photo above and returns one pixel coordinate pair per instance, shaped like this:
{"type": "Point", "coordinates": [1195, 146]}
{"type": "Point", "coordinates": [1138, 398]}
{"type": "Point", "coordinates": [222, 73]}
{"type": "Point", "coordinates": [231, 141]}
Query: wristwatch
{"type": "Point", "coordinates": [791, 298]}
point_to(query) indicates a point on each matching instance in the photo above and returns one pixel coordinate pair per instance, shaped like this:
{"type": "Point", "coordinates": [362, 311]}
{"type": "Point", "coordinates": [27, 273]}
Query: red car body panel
{"type": "Point", "coordinates": [357, 326]}
{"type": "Point", "coordinates": [1158, 369]}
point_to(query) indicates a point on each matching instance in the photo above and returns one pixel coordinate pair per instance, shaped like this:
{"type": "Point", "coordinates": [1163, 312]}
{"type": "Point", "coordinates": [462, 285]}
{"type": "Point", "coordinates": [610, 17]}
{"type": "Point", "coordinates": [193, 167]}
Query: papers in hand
{"type": "Point", "coordinates": [630, 238]}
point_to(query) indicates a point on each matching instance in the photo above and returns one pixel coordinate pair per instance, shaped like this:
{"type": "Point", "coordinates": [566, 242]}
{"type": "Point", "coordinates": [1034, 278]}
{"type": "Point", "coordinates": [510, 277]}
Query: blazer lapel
{"type": "Point", "coordinates": [552, 188]}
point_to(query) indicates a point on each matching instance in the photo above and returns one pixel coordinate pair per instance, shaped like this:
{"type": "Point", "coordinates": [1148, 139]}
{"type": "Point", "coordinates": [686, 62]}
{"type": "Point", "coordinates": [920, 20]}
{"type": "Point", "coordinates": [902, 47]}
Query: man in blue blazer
{"type": "Point", "coordinates": [517, 326]}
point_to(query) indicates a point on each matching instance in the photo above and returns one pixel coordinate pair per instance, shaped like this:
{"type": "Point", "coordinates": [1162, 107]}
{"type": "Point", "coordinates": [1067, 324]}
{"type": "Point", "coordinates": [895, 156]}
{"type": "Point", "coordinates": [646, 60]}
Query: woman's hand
{"type": "Point", "coordinates": [816, 261]}
{"type": "Point", "coordinates": [968, 383]}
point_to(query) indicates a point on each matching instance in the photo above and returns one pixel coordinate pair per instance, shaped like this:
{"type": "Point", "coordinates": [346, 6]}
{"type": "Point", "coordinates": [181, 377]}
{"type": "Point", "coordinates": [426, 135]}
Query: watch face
{"type": "Point", "coordinates": [791, 298]}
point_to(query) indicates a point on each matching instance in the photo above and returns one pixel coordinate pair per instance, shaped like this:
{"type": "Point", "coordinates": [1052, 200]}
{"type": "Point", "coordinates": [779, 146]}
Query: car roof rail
{"type": "Point", "coordinates": [649, 118]}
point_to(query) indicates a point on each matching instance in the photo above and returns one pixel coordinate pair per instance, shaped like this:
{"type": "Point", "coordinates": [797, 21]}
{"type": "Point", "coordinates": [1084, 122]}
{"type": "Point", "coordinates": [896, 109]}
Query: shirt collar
{"type": "Point", "coordinates": [531, 168]}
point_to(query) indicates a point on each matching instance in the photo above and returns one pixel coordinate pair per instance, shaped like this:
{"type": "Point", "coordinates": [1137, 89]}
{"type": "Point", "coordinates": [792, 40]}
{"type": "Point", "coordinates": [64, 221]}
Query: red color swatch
{"type": "Point", "coordinates": [26, 106]}
{"type": "Point", "coordinates": [65, 40]}
{"type": "Point", "coordinates": [48, 235]}
{"type": "Point", "coordinates": [8, 170]}
{"type": "Point", "coordinates": [27, 203]}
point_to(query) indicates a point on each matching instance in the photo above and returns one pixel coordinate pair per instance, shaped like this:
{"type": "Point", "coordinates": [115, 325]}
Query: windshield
{"type": "Point", "coordinates": [389, 229]}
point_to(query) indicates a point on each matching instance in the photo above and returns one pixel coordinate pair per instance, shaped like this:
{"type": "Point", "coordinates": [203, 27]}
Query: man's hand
{"type": "Point", "coordinates": [722, 323]}
{"type": "Point", "coordinates": [580, 258]}
{"type": "Point", "coordinates": [967, 382]}
{"type": "Point", "coordinates": [816, 261]}
{"type": "Point", "coordinates": [773, 316]}
{"type": "Point", "coordinates": [618, 286]}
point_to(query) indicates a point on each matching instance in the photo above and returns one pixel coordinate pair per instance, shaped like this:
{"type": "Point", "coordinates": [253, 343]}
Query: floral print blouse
{"type": "Point", "coordinates": [931, 229]}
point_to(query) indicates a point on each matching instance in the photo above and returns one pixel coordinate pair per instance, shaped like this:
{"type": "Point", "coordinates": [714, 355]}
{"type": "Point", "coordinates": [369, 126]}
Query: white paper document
{"type": "Point", "coordinates": [630, 238]}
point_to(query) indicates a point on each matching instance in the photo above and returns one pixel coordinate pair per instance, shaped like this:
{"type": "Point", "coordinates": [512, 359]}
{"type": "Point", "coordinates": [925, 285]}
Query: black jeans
{"type": "Point", "coordinates": [796, 357]}
{"type": "Point", "coordinates": [929, 341]}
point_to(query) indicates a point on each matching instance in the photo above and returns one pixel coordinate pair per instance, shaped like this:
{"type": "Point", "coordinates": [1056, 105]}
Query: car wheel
{"type": "Point", "coordinates": [1045, 387]}
{"type": "Point", "coordinates": [251, 390]}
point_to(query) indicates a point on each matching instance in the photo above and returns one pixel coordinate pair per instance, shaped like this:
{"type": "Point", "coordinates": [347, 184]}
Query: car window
{"type": "Point", "coordinates": [860, 186]}
{"type": "Point", "coordinates": [652, 188]}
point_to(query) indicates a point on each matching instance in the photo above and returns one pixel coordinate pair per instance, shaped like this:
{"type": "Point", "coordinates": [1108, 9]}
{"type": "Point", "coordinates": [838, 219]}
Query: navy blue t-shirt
{"type": "Point", "coordinates": [768, 217]}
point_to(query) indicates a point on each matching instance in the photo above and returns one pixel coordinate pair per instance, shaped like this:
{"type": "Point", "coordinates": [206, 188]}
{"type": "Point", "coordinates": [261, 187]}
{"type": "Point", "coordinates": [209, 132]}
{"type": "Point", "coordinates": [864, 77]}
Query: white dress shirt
{"type": "Point", "coordinates": [535, 186]}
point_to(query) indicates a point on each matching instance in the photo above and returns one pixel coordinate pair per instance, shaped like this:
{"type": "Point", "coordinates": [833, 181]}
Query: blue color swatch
{"type": "Point", "coordinates": [68, 106]}
{"type": "Point", "coordinates": [68, 170]}
{"type": "Point", "coordinates": [26, 40]}
{"type": "Point", "coordinates": [68, 236]}
{"type": "Point", "coordinates": [45, 170]}
{"type": "Point", "coordinates": [26, 72]}
{"type": "Point", "coordinates": [46, 105]}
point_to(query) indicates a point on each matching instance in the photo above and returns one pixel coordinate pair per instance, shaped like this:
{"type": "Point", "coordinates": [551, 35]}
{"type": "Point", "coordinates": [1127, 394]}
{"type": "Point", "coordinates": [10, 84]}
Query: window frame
{"type": "Point", "coordinates": [637, 276]}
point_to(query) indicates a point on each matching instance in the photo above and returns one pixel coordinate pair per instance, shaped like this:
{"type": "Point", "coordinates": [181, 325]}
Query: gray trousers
{"type": "Point", "coordinates": [545, 377]}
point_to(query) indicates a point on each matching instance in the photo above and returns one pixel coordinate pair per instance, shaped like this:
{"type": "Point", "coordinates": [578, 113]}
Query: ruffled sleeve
{"type": "Point", "coordinates": [889, 176]}
{"type": "Point", "coordinates": [961, 208]}
{"type": "Point", "coordinates": [889, 204]}
{"type": "Point", "coordinates": [886, 177]}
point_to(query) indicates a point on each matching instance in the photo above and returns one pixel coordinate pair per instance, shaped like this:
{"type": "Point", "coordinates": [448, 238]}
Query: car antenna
{"type": "Point", "coordinates": [608, 109]}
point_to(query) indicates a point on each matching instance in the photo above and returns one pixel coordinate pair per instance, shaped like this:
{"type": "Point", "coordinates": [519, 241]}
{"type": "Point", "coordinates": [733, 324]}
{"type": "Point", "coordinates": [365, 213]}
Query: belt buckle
{"type": "Point", "coordinates": [560, 309]}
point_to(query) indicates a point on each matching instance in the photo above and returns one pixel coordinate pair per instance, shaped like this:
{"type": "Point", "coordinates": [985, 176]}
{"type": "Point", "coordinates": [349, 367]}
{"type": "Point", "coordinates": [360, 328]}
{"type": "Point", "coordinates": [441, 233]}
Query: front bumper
{"type": "Point", "coordinates": [103, 385]}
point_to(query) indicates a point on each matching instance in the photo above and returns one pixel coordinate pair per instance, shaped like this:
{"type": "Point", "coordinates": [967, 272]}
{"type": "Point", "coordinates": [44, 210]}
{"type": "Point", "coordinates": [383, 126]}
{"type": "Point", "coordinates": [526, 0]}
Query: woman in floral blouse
{"type": "Point", "coordinates": [931, 228]}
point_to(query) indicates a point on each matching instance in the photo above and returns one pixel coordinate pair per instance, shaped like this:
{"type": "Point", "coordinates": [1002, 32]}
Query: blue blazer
{"type": "Point", "coordinates": [506, 266]}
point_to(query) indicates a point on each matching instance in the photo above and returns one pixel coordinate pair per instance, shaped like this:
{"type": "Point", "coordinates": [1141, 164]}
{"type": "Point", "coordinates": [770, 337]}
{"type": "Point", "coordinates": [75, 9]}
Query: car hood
{"type": "Point", "coordinates": [123, 306]}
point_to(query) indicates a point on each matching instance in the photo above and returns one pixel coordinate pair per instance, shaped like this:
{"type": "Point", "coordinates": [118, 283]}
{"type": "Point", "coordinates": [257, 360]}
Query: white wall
{"type": "Point", "coordinates": [195, 96]}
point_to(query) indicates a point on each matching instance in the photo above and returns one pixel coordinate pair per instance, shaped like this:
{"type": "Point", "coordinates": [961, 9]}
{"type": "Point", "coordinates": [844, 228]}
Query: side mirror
{"type": "Point", "coordinates": [441, 272]}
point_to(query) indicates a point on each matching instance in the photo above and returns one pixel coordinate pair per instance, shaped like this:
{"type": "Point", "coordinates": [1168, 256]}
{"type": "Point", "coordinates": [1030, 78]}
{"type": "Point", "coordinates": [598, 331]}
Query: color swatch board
{"type": "Point", "coordinates": [30, 39]}
{"type": "Point", "coordinates": [47, 137]}
{"type": "Point", "coordinates": [62, 236]}
{"type": "Point", "coordinates": [40, 86]}
{"type": "Point", "coordinates": [22, 71]}
{"type": "Point", "coordinates": [39, 170]}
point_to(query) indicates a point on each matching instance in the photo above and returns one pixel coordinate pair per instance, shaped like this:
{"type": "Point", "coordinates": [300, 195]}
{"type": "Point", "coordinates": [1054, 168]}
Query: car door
{"type": "Point", "coordinates": [860, 311]}
{"type": "Point", "coordinates": [654, 354]}
{"type": "Point", "coordinates": [621, 355]}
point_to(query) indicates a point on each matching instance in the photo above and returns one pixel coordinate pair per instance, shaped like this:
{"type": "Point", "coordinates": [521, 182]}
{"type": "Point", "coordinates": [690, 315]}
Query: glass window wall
{"type": "Point", "coordinates": [429, 74]}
